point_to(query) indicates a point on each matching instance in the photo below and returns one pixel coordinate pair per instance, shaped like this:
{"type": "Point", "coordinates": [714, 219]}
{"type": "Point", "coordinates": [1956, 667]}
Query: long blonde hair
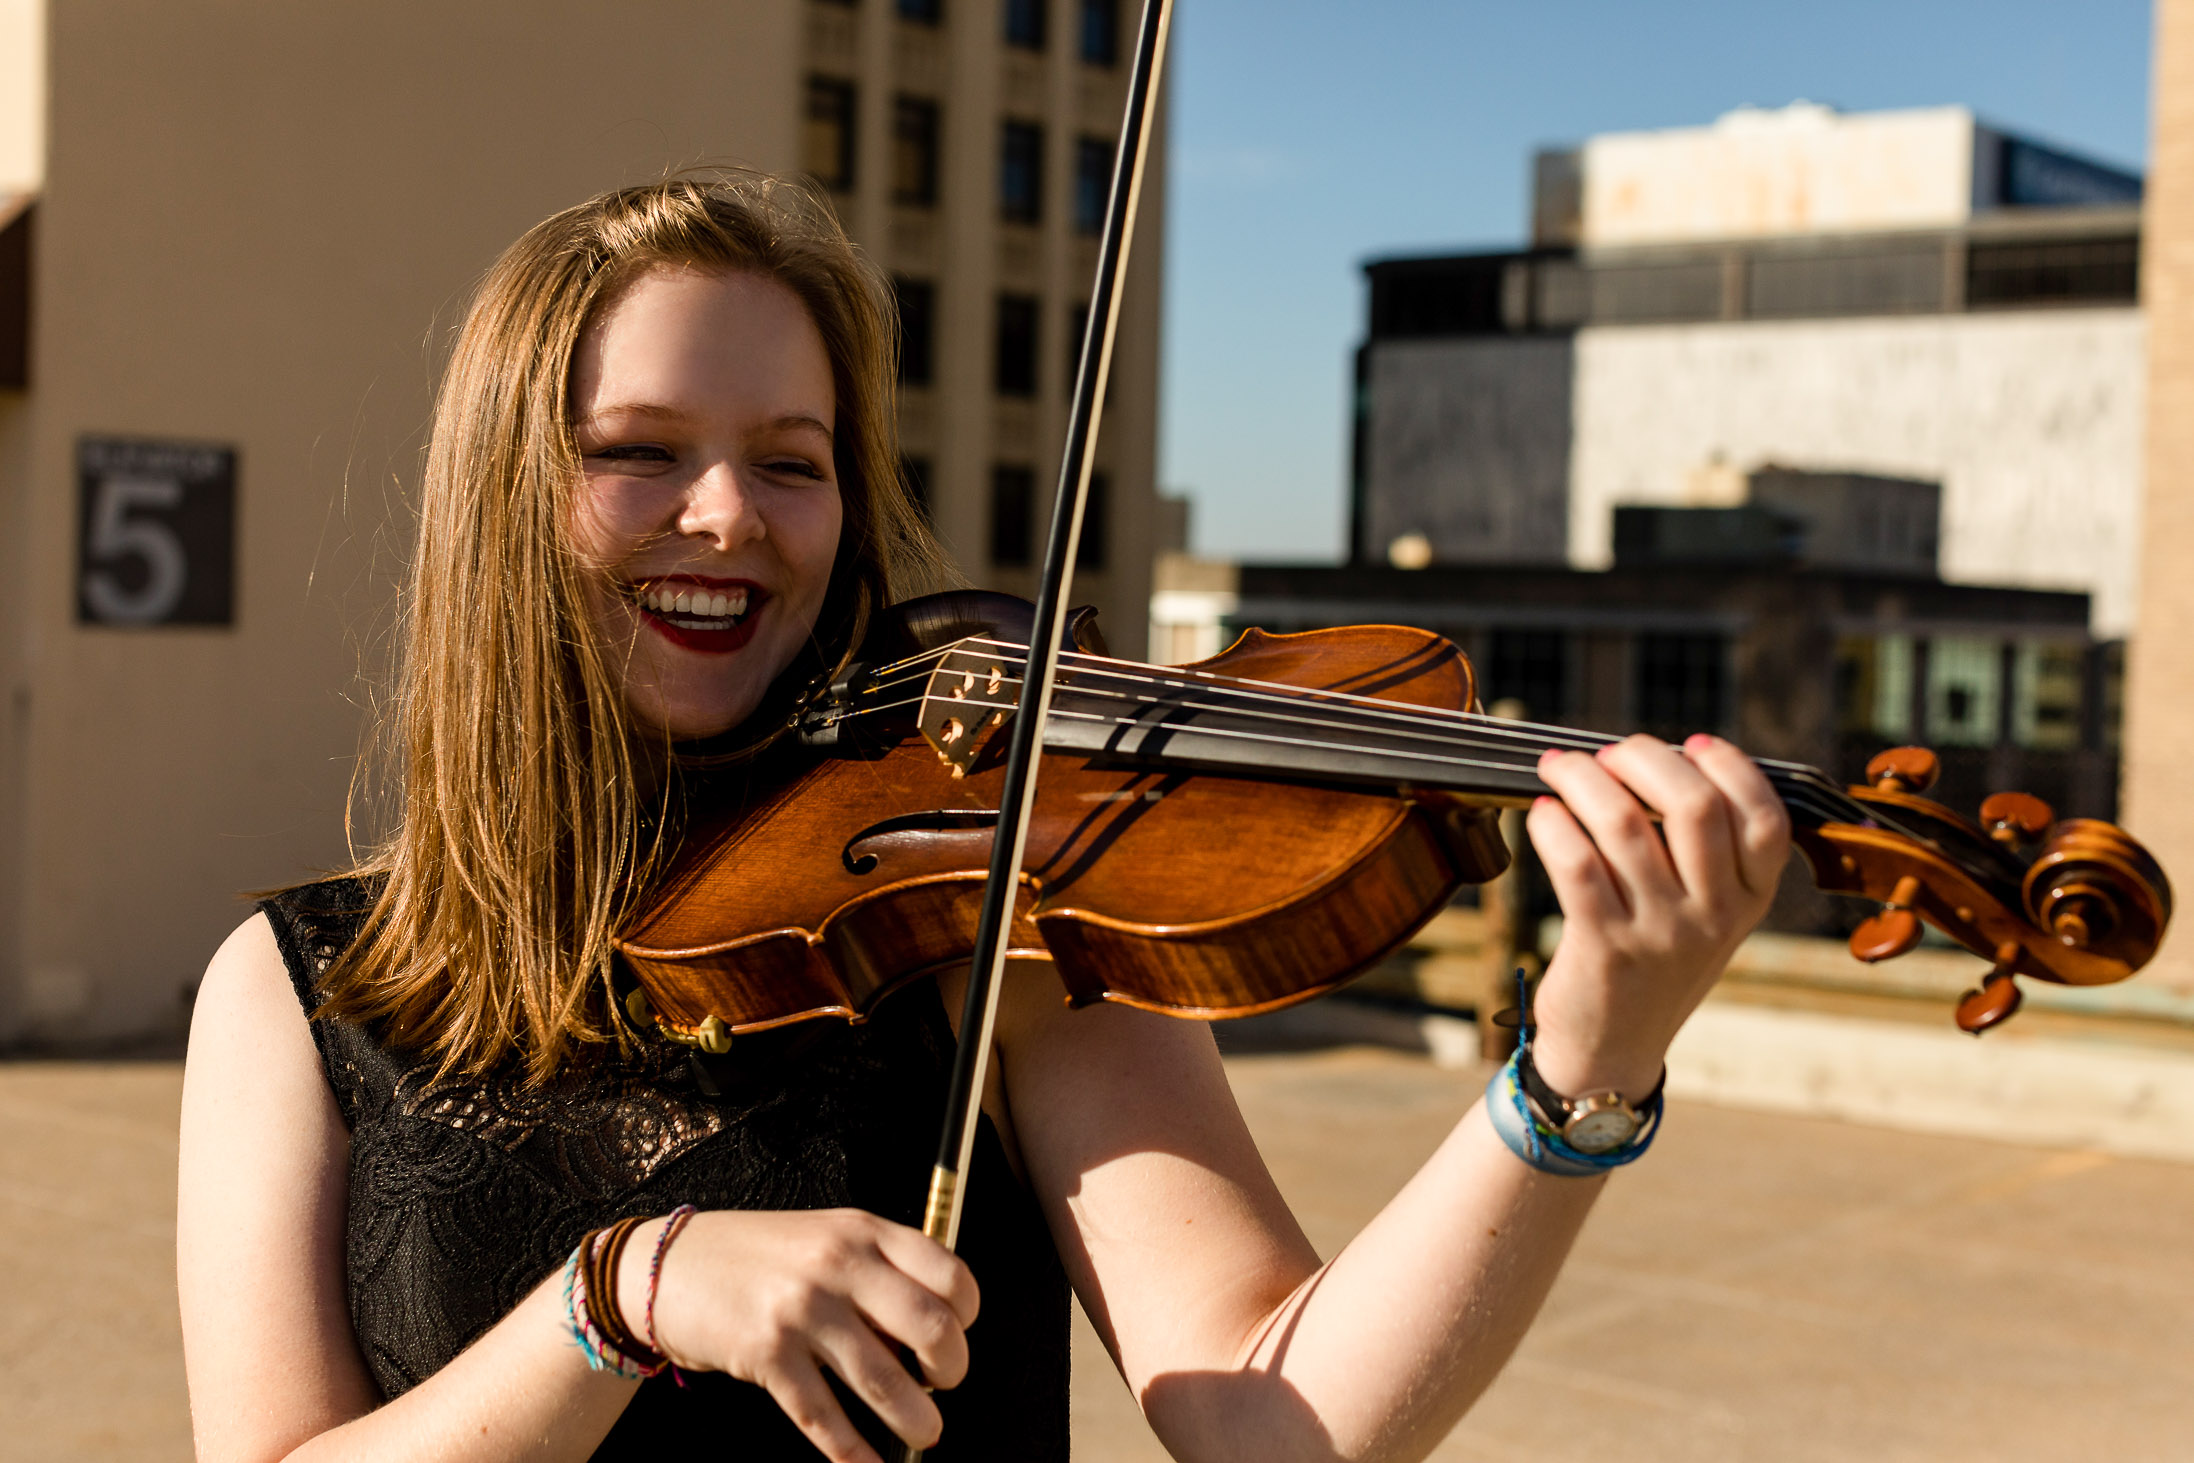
{"type": "Point", "coordinates": [521, 836]}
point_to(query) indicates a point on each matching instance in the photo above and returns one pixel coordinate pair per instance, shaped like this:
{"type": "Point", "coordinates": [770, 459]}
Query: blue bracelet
{"type": "Point", "coordinates": [1531, 1140]}
{"type": "Point", "coordinates": [1545, 1151]}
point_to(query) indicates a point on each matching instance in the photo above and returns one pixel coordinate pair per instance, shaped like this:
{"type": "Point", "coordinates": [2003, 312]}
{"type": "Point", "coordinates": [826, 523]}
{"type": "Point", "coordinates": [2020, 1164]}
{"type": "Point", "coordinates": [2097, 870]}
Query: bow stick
{"type": "Point", "coordinates": [979, 1013]}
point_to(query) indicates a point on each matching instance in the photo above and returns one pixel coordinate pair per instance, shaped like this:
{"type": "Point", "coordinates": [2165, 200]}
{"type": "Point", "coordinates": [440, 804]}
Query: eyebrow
{"type": "Point", "coordinates": [660, 412]}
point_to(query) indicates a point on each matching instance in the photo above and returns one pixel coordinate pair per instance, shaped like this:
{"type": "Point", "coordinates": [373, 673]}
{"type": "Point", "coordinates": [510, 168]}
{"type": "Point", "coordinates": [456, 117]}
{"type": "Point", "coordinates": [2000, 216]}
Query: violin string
{"type": "Point", "coordinates": [1812, 796]}
{"type": "Point", "coordinates": [1401, 713]}
{"type": "Point", "coordinates": [1803, 788]}
{"type": "Point", "coordinates": [1799, 795]}
{"type": "Point", "coordinates": [1395, 716]}
{"type": "Point", "coordinates": [1540, 735]}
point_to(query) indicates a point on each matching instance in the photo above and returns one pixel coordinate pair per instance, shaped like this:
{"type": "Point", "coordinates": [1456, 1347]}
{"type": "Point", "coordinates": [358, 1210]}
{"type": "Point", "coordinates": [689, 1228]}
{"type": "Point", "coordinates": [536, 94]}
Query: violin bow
{"type": "Point", "coordinates": [979, 1013]}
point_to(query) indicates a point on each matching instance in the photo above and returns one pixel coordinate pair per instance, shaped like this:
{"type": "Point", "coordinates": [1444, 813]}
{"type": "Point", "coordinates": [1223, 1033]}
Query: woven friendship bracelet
{"type": "Point", "coordinates": [1545, 1151]}
{"type": "Point", "coordinates": [600, 1355]}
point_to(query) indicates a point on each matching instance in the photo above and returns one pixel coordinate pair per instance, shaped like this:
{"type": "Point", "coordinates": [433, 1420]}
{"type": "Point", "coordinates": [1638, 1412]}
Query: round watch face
{"type": "Point", "coordinates": [1602, 1130]}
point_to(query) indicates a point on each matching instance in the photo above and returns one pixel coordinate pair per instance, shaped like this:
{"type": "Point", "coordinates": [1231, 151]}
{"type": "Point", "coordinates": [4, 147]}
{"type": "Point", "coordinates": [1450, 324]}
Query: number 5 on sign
{"type": "Point", "coordinates": [118, 540]}
{"type": "Point", "coordinates": [156, 541]}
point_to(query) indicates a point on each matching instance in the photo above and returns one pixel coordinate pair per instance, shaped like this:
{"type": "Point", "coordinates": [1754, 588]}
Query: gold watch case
{"type": "Point", "coordinates": [1601, 1122]}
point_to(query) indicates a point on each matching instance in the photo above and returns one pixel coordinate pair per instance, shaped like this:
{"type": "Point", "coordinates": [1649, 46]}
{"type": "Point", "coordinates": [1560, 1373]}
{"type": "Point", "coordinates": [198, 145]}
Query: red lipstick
{"type": "Point", "coordinates": [708, 633]}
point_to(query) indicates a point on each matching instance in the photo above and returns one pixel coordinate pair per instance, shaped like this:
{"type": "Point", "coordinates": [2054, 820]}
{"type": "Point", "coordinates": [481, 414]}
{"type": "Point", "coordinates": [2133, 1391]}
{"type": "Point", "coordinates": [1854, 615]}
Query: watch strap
{"type": "Point", "coordinates": [1555, 1108]}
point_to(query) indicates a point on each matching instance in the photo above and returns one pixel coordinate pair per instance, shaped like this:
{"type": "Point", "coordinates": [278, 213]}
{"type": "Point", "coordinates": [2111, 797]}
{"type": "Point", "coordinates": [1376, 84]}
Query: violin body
{"type": "Point", "coordinates": [862, 867]}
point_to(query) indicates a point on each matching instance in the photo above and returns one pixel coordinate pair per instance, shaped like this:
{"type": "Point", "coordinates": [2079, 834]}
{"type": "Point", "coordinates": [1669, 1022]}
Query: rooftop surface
{"type": "Point", "coordinates": [1813, 1290]}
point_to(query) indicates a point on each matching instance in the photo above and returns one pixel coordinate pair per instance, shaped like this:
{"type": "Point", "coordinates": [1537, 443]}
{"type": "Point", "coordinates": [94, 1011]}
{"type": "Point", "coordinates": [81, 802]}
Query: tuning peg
{"type": "Point", "coordinates": [1892, 932]}
{"type": "Point", "coordinates": [2014, 818]}
{"type": "Point", "coordinates": [1904, 769]}
{"type": "Point", "coordinates": [1997, 997]}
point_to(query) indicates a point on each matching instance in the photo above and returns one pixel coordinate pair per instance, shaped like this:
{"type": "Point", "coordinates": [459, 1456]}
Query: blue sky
{"type": "Point", "coordinates": [1311, 135]}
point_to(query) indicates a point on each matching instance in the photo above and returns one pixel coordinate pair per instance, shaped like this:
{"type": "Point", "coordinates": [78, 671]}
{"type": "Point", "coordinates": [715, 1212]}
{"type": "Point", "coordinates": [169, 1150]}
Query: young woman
{"type": "Point", "coordinates": [662, 485]}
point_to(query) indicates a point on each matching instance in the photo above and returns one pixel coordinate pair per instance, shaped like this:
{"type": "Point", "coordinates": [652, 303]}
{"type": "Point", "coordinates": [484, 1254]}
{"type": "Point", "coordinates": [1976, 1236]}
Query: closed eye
{"type": "Point", "coordinates": [633, 452]}
{"type": "Point", "coordinates": [798, 467]}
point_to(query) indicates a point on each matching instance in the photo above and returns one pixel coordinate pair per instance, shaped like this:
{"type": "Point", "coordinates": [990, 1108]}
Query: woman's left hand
{"type": "Point", "coordinates": [1651, 913]}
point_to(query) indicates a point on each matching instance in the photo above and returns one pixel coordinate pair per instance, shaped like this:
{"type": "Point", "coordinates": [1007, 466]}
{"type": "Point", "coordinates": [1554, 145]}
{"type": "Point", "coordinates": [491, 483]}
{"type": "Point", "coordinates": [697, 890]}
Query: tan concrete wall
{"type": "Point", "coordinates": [2159, 744]}
{"type": "Point", "coordinates": [259, 225]}
{"type": "Point", "coordinates": [1791, 170]}
{"type": "Point", "coordinates": [22, 94]}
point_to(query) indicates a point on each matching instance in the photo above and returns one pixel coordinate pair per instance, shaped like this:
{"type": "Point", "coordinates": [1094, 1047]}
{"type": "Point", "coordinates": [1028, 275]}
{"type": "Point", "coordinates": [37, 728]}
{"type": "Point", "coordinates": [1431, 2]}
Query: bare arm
{"type": "Point", "coordinates": [274, 1370]}
{"type": "Point", "coordinates": [273, 1366]}
{"type": "Point", "coordinates": [1237, 1342]}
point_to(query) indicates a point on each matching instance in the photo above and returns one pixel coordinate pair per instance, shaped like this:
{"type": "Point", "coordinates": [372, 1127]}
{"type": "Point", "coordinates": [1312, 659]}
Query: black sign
{"type": "Point", "coordinates": [156, 533]}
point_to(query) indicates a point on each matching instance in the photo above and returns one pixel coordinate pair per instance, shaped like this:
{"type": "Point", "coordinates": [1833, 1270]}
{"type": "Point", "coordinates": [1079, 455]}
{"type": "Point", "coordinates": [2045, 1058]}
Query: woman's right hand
{"type": "Point", "coordinates": [775, 1297]}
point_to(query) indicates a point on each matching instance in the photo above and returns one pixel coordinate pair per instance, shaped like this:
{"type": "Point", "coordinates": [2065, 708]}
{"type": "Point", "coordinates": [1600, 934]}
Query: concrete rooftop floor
{"type": "Point", "coordinates": [1812, 1290]}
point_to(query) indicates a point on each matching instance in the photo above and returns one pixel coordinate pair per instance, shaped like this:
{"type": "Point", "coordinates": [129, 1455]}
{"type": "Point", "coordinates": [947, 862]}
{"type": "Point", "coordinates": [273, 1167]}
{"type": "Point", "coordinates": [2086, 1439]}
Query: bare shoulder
{"type": "Point", "coordinates": [250, 1041]}
{"type": "Point", "coordinates": [246, 1008]}
{"type": "Point", "coordinates": [248, 967]}
{"type": "Point", "coordinates": [259, 1215]}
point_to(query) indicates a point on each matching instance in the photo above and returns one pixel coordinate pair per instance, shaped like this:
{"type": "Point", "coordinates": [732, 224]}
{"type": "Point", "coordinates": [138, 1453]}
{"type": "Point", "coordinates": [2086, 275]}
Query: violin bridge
{"type": "Point", "coordinates": [967, 696]}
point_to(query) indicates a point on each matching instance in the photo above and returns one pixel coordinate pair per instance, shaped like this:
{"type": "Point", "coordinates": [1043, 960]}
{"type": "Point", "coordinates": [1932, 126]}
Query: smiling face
{"type": "Point", "coordinates": [703, 406]}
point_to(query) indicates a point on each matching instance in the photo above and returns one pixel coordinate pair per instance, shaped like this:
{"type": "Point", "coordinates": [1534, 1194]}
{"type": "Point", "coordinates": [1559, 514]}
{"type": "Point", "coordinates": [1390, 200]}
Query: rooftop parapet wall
{"type": "Point", "coordinates": [1807, 169]}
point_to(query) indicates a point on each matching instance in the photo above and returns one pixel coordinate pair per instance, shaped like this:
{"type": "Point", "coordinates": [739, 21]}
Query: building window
{"type": "Point", "coordinates": [1021, 173]}
{"type": "Point", "coordinates": [1092, 184]}
{"type": "Point", "coordinates": [914, 151]}
{"type": "Point", "coordinates": [1026, 23]}
{"type": "Point", "coordinates": [1874, 687]}
{"type": "Point", "coordinates": [2048, 685]}
{"type": "Point", "coordinates": [927, 12]}
{"type": "Point", "coordinates": [828, 139]}
{"type": "Point", "coordinates": [917, 330]}
{"type": "Point", "coordinates": [2068, 271]}
{"type": "Point", "coordinates": [1531, 667]}
{"type": "Point", "coordinates": [1101, 32]}
{"type": "Point", "coordinates": [914, 477]}
{"type": "Point", "coordinates": [1096, 520]}
{"type": "Point", "coordinates": [1016, 355]}
{"type": "Point", "coordinates": [1680, 683]}
{"type": "Point", "coordinates": [1012, 516]}
{"type": "Point", "coordinates": [1963, 676]}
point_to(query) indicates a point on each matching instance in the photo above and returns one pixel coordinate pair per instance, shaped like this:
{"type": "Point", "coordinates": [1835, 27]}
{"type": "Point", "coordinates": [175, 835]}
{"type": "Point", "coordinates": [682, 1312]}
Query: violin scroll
{"type": "Point", "coordinates": [2097, 891]}
{"type": "Point", "coordinates": [2076, 901]}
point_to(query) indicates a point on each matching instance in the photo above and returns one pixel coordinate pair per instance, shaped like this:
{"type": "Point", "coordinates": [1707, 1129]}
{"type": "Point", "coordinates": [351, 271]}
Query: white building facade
{"type": "Point", "coordinates": [1908, 294]}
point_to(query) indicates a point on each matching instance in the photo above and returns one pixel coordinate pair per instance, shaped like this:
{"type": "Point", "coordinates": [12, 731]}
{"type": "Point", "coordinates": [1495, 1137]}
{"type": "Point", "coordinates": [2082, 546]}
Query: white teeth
{"type": "Point", "coordinates": [697, 604]}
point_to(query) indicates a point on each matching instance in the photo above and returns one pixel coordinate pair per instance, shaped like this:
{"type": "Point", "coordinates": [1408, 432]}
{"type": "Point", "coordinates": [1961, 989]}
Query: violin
{"type": "Point", "coordinates": [1235, 836]}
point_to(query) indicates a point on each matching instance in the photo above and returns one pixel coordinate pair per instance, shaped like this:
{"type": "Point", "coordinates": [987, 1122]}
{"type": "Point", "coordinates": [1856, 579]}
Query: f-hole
{"type": "Point", "coordinates": [937, 820]}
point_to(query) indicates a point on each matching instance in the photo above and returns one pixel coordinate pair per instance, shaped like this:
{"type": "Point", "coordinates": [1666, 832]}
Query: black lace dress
{"type": "Point", "coordinates": [465, 1194]}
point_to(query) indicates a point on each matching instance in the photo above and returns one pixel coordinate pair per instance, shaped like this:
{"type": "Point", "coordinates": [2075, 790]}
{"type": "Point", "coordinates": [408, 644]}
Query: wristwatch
{"type": "Point", "coordinates": [1596, 1123]}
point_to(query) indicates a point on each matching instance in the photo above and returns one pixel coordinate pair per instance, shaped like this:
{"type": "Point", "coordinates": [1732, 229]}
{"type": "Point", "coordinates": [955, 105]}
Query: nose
{"type": "Point", "coordinates": [721, 508]}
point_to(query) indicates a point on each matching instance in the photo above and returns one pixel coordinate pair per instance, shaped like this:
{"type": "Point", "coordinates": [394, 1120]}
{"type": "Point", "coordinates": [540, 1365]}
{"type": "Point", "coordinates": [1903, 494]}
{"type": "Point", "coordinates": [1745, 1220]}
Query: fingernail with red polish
{"type": "Point", "coordinates": [1698, 741]}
